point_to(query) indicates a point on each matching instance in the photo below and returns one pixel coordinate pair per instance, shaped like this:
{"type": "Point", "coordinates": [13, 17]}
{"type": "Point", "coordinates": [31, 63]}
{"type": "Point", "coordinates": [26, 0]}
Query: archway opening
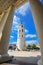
{"type": "Point", "coordinates": [24, 15]}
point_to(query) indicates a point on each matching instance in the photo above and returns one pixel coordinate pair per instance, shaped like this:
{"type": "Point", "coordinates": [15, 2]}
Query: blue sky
{"type": "Point", "coordinates": [24, 15]}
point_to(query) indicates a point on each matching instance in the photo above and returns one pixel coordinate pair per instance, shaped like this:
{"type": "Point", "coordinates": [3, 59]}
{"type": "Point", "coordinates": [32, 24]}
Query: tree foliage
{"type": "Point", "coordinates": [33, 46]}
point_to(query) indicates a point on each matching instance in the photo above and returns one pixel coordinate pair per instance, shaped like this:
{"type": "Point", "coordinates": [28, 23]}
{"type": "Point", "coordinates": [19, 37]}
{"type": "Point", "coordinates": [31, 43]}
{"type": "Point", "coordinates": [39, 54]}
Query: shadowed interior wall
{"type": "Point", "coordinates": [4, 42]}
{"type": "Point", "coordinates": [37, 11]}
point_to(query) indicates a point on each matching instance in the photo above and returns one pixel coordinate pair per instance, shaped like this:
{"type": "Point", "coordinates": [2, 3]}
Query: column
{"type": "Point", "coordinates": [3, 19]}
{"type": "Point", "coordinates": [37, 11]}
{"type": "Point", "coordinates": [4, 42]}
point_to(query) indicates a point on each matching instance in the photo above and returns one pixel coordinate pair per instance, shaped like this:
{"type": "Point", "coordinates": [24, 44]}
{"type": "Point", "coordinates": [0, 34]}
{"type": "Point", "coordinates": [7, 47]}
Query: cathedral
{"type": "Point", "coordinates": [21, 45]}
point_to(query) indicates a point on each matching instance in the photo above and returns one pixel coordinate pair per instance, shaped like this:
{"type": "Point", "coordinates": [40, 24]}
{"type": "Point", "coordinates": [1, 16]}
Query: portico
{"type": "Point", "coordinates": [6, 16]}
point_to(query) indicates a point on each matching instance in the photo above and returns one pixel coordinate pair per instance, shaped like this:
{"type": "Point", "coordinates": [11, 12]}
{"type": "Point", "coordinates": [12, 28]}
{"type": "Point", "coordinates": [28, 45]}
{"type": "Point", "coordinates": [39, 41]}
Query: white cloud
{"type": "Point", "coordinates": [40, 0]}
{"type": "Point", "coordinates": [32, 42]}
{"type": "Point", "coordinates": [11, 36]}
{"type": "Point", "coordinates": [31, 35]}
{"type": "Point", "coordinates": [14, 43]}
{"type": "Point", "coordinates": [26, 31]}
{"type": "Point", "coordinates": [23, 9]}
{"type": "Point", "coordinates": [16, 19]}
{"type": "Point", "coordinates": [16, 22]}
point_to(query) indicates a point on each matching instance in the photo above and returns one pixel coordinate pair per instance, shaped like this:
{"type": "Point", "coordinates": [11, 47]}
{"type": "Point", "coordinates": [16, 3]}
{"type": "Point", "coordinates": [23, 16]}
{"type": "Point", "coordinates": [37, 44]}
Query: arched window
{"type": "Point", "coordinates": [22, 35]}
{"type": "Point", "coordinates": [19, 30]}
{"type": "Point", "coordinates": [22, 30]}
{"type": "Point", "coordinates": [22, 25]}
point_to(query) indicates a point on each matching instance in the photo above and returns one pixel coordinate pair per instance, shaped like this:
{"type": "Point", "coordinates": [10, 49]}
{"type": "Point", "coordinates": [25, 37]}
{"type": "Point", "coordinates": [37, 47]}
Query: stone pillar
{"type": "Point", "coordinates": [3, 21]}
{"type": "Point", "coordinates": [5, 29]}
{"type": "Point", "coordinates": [37, 11]}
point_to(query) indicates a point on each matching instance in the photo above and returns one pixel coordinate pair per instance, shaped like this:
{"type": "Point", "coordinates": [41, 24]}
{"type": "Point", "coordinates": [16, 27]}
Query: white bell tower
{"type": "Point", "coordinates": [21, 38]}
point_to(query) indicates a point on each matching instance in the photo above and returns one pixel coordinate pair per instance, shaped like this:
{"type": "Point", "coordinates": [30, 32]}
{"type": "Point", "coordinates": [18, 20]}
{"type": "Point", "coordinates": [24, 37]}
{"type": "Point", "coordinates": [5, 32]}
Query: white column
{"type": "Point", "coordinates": [37, 11]}
{"type": "Point", "coordinates": [4, 42]}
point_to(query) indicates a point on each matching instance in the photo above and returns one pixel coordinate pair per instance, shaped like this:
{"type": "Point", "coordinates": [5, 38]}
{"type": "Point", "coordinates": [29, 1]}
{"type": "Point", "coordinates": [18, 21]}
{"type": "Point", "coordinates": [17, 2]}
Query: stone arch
{"type": "Point", "coordinates": [37, 11]}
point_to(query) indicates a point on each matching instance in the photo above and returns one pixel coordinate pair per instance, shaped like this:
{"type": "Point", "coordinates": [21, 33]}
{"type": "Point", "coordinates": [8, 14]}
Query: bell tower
{"type": "Point", "coordinates": [21, 38]}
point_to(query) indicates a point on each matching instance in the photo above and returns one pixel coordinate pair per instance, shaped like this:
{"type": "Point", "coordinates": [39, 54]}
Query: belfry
{"type": "Point", "coordinates": [21, 38]}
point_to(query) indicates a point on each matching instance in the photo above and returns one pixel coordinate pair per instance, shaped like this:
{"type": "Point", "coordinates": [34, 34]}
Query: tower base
{"type": "Point", "coordinates": [18, 49]}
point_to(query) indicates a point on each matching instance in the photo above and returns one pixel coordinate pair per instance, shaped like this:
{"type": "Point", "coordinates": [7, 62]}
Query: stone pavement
{"type": "Point", "coordinates": [15, 62]}
{"type": "Point", "coordinates": [26, 56]}
{"type": "Point", "coordinates": [23, 58]}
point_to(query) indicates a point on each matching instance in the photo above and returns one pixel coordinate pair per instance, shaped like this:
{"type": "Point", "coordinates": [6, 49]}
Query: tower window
{"type": "Point", "coordinates": [22, 35]}
{"type": "Point", "coordinates": [19, 30]}
{"type": "Point", "coordinates": [22, 25]}
{"type": "Point", "coordinates": [22, 30]}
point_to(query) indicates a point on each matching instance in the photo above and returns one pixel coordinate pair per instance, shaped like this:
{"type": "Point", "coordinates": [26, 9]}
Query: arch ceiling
{"type": "Point", "coordinates": [4, 4]}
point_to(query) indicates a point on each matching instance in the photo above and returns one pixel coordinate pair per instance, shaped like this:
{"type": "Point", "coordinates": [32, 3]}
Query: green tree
{"type": "Point", "coordinates": [33, 46]}
{"type": "Point", "coordinates": [29, 47]}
